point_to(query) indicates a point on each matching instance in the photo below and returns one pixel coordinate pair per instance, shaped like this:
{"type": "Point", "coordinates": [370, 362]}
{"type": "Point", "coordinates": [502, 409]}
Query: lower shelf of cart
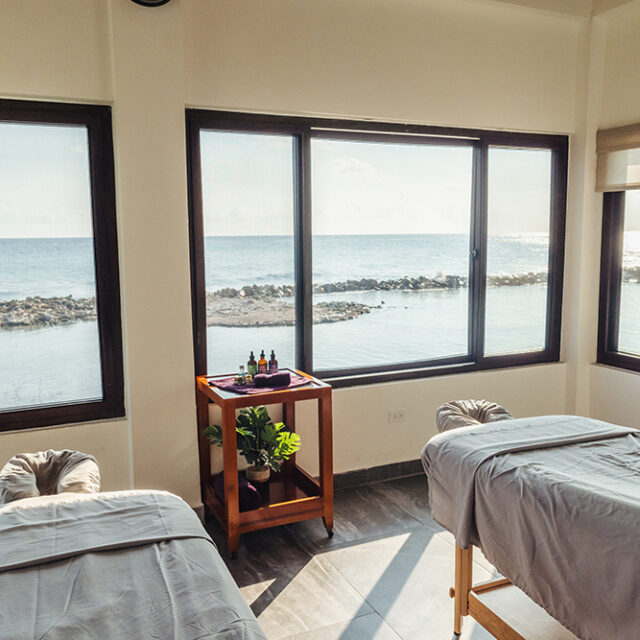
{"type": "Point", "coordinates": [290, 496]}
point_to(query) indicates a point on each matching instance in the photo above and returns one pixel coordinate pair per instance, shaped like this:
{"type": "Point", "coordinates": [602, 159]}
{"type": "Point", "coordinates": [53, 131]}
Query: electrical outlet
{"type": "Point", "coordinates": [397, 415]}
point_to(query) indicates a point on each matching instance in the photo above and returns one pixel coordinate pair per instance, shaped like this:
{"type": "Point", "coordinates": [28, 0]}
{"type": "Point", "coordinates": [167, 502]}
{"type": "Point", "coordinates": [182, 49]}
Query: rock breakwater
{"type": "Point", "coordinates": [45, 312]}
{"type": "Point", "coordinates": [271, 312]}
{"type": "Point", "coordinates": [421, 283]}
{"type": "Point", "coordinates": [267, 305]}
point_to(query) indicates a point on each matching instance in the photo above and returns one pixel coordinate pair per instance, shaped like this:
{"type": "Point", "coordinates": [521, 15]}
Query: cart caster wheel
{"type": "Point", "coordinates": [234, 555]}
{"type": "Point", "coordinates": [330, 533]}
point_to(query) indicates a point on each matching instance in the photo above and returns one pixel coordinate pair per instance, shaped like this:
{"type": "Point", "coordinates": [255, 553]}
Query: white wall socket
{"type": "Point", "coordinates": [397, 415]}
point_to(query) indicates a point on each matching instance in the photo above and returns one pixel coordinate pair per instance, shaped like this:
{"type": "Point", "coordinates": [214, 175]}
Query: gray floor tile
{"type": "Point", "coordinates": [478, 556]}
{"type": "Point", "coordinates": [410, 494]}
{"type": "Point", "coordinates": [367, 627]}
{"type": "Point", "coordinates": [366, 513]}
{"type": "Point", "coordinates": [385, 574]}
{"type": "Point", "coordinates": [406, 579]}
{"type": "Point", "coordinates": [315, 597]}
{"type": "Point", "coordinates": [288, 589]}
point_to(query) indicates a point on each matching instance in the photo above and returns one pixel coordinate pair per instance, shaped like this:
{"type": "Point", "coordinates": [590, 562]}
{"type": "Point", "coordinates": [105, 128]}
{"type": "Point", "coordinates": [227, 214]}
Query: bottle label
{"type": "Point", "coordinates": [273, 366]}
{"type": "Point", "coordinates": [262, 368]}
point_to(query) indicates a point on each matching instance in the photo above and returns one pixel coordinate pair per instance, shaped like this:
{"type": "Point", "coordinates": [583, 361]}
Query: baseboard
{"type": "Point", "coordinates": [377, 474]}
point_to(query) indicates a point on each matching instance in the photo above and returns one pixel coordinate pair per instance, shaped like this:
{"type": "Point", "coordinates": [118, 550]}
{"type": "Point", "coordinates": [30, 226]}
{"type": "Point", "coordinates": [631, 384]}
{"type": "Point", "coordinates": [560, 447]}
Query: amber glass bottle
{"type": "Point", "coordinates": [262, 363]}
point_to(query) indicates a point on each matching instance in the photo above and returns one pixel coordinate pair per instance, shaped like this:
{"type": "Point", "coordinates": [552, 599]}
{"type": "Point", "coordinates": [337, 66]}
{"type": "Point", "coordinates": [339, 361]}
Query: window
{"type": "Point", "coordinates": [247, 198]}
{"type": "Point", "coordinates": [619, 332]}
{"type": "Point", "coordinates": [519, 215]}
{"type": "Point", "coordinates": [393, 213]}
{"type": "Point", "coordinates": [365, 251]}
{"type": "Point", "coordinates": [60, 335]}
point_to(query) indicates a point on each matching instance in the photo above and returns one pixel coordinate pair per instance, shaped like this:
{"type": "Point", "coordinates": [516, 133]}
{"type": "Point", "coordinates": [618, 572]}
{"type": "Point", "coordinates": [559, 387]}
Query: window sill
{"type": "Point", "coordinates": [352, 379]}
{"type": "Point", "coordinates": [619, 361]}
{"type": "Point", "coordinates": [52, 415]}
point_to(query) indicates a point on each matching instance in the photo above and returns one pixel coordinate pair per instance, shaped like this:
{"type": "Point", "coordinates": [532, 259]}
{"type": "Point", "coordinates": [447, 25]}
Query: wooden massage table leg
{"type": "Point", "coordinates": [463, 578]}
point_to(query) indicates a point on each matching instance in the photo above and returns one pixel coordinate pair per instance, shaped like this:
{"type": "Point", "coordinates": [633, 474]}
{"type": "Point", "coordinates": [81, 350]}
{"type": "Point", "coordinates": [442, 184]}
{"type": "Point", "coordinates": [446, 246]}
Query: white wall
{"type": "Point", "coordinates": [55, 49]}
{"type": "Point", "coordinates": [614, 394]}
{"type": "Point", "coordinates": [452, 62]}
{"type": "Point", "coordinates": [444, 62]}
{"type": "Point", "coordinates": [364, 438]}
{"type": "Point", "coordinates": [60, 50]}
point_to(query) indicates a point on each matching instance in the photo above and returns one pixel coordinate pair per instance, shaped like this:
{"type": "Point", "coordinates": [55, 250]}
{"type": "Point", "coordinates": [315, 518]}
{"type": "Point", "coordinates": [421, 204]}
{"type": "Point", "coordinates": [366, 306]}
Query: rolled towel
{"type": "Point", "coordinates": [28, 475]}
{"type": "Point", "coordinates": [282, 379]}
{"type": "Point", "coordinates": [467, 413]}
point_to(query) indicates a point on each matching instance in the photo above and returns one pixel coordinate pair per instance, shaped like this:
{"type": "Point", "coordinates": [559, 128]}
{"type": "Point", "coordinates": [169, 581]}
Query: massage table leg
{"type": "Point", "coordinates": [463, 578]}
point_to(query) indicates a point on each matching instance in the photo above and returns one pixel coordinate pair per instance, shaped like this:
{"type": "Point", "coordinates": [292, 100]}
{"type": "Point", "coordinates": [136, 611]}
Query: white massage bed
{"type": "Point", "coordinates": [120, 565]}
{"type": "Point", "coordinates": [554, 504]}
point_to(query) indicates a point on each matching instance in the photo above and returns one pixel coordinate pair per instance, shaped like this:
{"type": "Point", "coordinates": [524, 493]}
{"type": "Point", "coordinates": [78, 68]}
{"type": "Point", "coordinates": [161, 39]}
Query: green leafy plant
{"type": "Point", "coordinates": [261, 442]}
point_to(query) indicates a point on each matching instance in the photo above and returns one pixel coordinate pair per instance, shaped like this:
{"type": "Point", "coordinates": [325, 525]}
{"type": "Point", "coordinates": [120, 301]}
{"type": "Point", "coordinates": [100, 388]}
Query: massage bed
{"type": "Point", "coordinates": [553, 502]}
{"type": "Point", "coordinates": [114, 565]}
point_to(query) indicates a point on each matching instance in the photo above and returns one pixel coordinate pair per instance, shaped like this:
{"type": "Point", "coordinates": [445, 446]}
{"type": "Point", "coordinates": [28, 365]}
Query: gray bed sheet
{"type": "Point", "coordinates": [122, 565]}
{"type": "Point", "coordinates": [554, 503]}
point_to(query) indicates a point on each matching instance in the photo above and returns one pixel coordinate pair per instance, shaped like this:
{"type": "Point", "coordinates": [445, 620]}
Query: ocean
{"type": "Point", "coordinates": [61, 363]}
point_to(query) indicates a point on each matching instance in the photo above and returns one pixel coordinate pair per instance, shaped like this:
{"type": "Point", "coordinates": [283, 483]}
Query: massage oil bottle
{"type": "Point", "coordinates": [252, 366]}
{"type": "Point", "coordinates": [262, 363]}
{"type": "Point", "coordinates": [273, 363]}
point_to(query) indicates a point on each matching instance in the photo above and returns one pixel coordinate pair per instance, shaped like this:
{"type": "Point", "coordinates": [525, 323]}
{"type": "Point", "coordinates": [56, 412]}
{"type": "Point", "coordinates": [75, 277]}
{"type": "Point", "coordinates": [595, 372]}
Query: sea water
{"type": "Point", "coordinates": [59, 364]}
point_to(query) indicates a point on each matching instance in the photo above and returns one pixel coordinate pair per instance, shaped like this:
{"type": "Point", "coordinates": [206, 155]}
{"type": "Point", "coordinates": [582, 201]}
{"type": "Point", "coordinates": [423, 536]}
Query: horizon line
{"type": "Point", "coordinates": [289, 235]}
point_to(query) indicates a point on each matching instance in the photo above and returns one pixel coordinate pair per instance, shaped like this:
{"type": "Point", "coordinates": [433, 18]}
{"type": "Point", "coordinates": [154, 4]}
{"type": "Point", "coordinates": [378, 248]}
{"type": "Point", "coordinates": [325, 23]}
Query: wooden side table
{"type": "Point", "coordinates": [294, 494]}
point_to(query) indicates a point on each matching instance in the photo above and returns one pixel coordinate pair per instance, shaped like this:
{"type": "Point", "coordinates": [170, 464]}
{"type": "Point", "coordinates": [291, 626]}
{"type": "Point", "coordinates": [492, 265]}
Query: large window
{"type": "Point", "coordinates": [60, 338]}
{"type": "Point", "coordinates": [619, 331]}
{"type": "Point", "coordinates": [364, 251]}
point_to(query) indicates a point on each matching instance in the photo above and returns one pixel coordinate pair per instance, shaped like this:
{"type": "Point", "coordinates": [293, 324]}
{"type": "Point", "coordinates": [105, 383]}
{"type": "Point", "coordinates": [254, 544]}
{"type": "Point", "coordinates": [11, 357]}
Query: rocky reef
{"type": "Point", "coordinates": [45, 312]}
{"type": "Point", "coordinates": [266, 305]}
{"type": "Point", "coordinates": [259, 311]}
{"type": "Point", "coordinates": [406, 283]}
{"type": "Point", "coordinates": [631, 274]}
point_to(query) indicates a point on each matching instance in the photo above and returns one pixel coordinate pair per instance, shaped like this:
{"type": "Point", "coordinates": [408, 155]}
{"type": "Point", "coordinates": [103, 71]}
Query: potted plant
{"type": "Point", "coordinates": [263, 444]}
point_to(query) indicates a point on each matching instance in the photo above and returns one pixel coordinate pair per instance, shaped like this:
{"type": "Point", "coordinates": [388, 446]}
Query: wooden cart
{"type": "Point", "coordinates": [294, 494]}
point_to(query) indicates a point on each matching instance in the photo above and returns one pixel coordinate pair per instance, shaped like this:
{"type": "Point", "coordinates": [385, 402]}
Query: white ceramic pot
{"type": "Point", "coordinates": [258, 474]}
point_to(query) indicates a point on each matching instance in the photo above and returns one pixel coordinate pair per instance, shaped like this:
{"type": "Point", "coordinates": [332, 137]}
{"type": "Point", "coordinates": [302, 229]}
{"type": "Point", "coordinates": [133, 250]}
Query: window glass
{"type": "Point", "coordinates": [391, 226]}
{"type": "Point", "coordinates": [248, 205]}
{"type": "Point", "coordinates": [629, 329]}
{"type": "Point", "coordinates": [519, 214]}
{"type": "Point", "coordinates": [49, 338]}
{"type": "Point", "coordinates": [385, 219]}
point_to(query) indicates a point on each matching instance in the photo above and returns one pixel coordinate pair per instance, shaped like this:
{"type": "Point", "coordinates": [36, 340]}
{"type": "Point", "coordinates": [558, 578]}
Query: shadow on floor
{"type": "Point", "coordinates": [384, 574]}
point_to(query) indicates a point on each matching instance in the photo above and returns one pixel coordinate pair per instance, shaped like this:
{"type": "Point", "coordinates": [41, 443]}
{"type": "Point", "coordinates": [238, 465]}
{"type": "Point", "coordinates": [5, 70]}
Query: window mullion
{"type": "Point", "coordinates": [303, 270]}
{"type": "Point", "coordinates": [478, 253]}
{"type": "Point", "coordinates": [556, 251]}
{"type": "Point", "coordinates": [616, 270]}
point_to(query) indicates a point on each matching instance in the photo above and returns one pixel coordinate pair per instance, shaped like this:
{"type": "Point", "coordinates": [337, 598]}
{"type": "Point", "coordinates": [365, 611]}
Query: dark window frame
{"type": "Point", "coordinates": [97, 120]}
{"type": "Point", "coordinates": [611, 284]}
{"type": "Point", "coordinates": [303, 130]}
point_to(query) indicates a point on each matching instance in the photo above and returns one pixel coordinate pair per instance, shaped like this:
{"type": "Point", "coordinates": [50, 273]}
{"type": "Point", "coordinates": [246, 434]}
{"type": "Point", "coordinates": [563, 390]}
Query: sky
{"type": "Point", "coordinates": [364, 187]}
{"type": "Point", "coordinates": [357, 188]}
{"type": "Point", "coordinates": [44, 181]}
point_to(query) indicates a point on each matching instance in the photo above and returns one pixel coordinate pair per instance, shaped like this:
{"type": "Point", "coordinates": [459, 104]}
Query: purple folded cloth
{"type": "Point", "coordinates": [248, 496]}
{"type": "Point", "coordinates": [228, 384]}
{"type": "Point", "coordinates": [282, 379]}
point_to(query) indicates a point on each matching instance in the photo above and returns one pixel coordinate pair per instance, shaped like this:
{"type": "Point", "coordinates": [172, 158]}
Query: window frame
{"type": "Point", "coordinates": [97, 120]}
{"type": "Point", "coordinates": [303, 129]}
{"type": "Point", "coordinates": [611, 260]}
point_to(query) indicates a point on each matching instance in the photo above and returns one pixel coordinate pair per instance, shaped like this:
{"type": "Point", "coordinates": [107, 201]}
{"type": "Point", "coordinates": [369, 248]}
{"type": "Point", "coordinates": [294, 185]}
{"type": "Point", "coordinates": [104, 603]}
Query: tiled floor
{"type": "Point", "coordinates": [385, 575]}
